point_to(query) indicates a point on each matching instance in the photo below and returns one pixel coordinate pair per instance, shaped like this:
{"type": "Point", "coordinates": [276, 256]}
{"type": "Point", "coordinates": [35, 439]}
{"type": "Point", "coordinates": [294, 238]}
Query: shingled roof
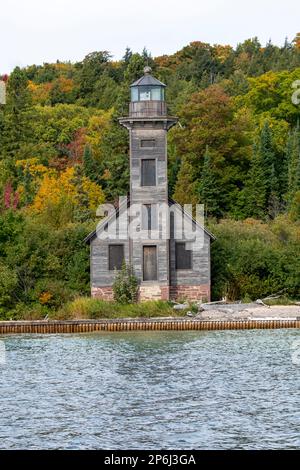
{"type": "Point", "coordinates": [147, 80]}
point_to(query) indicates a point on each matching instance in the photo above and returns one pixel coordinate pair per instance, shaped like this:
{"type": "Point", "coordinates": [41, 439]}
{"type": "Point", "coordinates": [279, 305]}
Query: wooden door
{"type": "Point", "coordinates": [149, 263]}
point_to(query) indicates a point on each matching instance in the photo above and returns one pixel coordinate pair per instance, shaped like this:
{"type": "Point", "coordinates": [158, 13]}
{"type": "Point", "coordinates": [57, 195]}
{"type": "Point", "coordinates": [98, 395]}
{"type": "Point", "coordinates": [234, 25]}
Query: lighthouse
{"type": "Point", "coordinates": [167, 265]}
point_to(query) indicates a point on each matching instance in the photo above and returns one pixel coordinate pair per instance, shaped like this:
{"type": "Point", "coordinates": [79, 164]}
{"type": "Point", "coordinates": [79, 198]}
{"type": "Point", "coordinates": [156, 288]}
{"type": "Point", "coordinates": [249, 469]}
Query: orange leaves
{"type": "Point", "coordinates": [296, 41]}
{"type": "Point", "coordinates": [56, 188]}
{"type": "Point", "coordinates": [45, 297]}
{"type": "Point", "coordinates": [40, 92]}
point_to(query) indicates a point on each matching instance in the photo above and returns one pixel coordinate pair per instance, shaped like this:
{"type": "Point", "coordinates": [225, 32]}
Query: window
{"type": "Point", "coordinates": [145, 94]}
{"type": "Point", "coordinates": [149, 263]}
{"type": "Point", "coordinates": [149, 217]}
{"type": "Point", "coordinates": [148, 172]}
{"type": "Point", "coordinates": [115, 256]}
{"type": "Point", "coordinates": [156, 94]}
{"type": "Point", "coordinates": [148, 143]}
{"type": "Point", "coordinates": [134, 93]}
{"type": "Point", "coordinates": [183, 256]}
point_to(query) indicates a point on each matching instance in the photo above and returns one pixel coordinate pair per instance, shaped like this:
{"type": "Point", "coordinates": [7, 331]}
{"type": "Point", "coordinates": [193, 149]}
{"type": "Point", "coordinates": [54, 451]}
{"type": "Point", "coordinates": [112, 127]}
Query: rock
{"type": "Point", "coordinates": [180, 306]}
{"type": "Point", "coordinates": [189, 314]}
{"type": "Point", "coordinates": [200, 309]}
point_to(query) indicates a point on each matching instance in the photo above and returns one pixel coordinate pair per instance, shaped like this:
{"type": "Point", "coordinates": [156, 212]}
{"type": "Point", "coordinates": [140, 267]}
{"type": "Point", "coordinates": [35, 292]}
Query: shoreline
{"type": "Point", "coordinates": [249, 312]}
{"type": "Point", "coordinates": [212, 319]}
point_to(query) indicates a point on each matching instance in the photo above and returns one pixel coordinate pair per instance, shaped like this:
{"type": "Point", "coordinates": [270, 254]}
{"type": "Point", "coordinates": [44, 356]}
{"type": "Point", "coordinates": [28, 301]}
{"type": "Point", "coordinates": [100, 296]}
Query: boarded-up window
{"type": "Point", "coordinates": [149, 263]}
{"type": "Point", "coordinates": [115, 256]}
{"type": "Point", "coordinates": [149, 217]}
{"type": "Point", "coordinates": [148, 143]}
{"type": "Point", "coordinates": [148, 172]}
{"type": "Point", "coordinates": [183, 256]}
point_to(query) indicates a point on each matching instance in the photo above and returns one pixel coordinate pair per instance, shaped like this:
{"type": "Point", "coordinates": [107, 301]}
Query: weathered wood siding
{"type": "Point", "coordinates": [99, 267]}
{"type": "Point", "coordinates": [200, 272]}
{"type": "Point", "coordinates": [148, 194]}
{"type": "Point", "coordinates": [154, 130]}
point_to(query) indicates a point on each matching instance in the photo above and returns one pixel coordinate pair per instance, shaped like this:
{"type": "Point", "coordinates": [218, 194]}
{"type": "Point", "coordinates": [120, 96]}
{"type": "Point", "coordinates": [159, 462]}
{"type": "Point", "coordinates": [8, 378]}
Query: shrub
{"type": "Point", "coordinates": [8, 283]}
{"type": "Point", "coordinates": [125, 285]}
{"type": "Point", "coordinates": [251, 260]}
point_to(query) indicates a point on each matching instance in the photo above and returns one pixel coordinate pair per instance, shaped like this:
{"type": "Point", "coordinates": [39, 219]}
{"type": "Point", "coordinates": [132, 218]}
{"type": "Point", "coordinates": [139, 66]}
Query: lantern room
{"type": "Point", "coordinates": [147, 96]}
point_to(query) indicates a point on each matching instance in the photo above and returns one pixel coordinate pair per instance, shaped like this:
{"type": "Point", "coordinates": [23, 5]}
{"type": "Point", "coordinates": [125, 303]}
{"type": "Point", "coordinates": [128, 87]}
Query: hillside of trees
{"type": "Point", "coordinates": [236, 149]}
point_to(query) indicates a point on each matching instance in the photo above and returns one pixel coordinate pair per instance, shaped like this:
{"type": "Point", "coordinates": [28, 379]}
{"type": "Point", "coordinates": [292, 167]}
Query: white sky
{"type": "Point", "coordinates": [37, 31]}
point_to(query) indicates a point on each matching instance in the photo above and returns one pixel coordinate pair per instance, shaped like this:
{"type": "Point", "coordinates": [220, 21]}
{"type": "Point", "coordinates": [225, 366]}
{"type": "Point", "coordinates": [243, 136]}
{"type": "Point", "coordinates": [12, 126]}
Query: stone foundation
{"type": "Point", "coordinates": [190, 293]}
{"type": "Point", "coordinates": [151, 292]}
{"type": "Point", "coordinates": [103, 293]}
{"type": "Point", "coordinates": [157, 292]}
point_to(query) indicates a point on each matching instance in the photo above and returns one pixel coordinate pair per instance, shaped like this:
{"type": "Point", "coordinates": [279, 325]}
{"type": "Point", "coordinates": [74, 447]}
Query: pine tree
{"type": "Point", "coordinates": [27, 178]}
{"type": "Point", "coordinates": [255, 189]}
{"type": "Point", "coordinates": [267, 156]}
{"type": "Point", "coordinates": [17, 117]}
{"type": "Point", "coordinates": [127, 56]}
{"type": "Point", "coordinates": [89, 163]}
{"type": "Point", "coordinates": [185, 186]}
{"type": "Point", "coordinates": [274, 205]}
{"type": "Point", "coordinates": [293, 165]}
{"type": "Point", "coordinates": [209, 189]}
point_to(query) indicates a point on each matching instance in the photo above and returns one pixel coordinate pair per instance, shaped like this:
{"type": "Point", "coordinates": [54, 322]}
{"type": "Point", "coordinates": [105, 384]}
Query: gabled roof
{"type": "Point", "coordinates": [171, 202]}
{"type": "Point", "coordinates": [106, 220]}
{"type": "Point", "coordinates": [147, 80]}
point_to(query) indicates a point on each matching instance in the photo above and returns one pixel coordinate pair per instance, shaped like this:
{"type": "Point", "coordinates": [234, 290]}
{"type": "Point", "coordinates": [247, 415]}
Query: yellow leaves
{"type": "Point", "coordinates": [222, 52]}
{"type": "Point", "coordinates": [53, 188]}
{"type": "Point", "coordinates": [35, 168]}
{"type": "Point", "coordinates": [57, 189]}
{"type": "Point", "coordinates": [40, 92]}
{"type": "Point", "coordinates": [45, 297]}
{"type": "Point", "coordinates": [296, 41]}
{"type": "Point", "coordinates": [107, 174]}
{"type": "Point", "coordinates": [96, 128]}
{"type": "Point", "coordinates": [94, 192]}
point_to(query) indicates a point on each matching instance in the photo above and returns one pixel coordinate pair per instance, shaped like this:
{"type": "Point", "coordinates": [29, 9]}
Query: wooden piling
{"type": "Point", "coordinates": [88, 326]}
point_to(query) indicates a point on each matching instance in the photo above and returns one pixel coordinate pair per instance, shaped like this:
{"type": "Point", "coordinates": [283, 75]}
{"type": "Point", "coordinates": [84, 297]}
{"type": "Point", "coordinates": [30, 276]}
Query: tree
{"type": "Point", "coordinates": [89, 72]}
{"type": "Point", "coordinates": [209, 189]}
{"type": "Point", "coordinates": [89, 166]}
{"type": "Point", "coordinates": [210, 119]}
{"type": "Point", "coordinates": [296, 41]}
{"type": "Point", "coordinates": [293, 165]}
{"type": "Point", "coordinates": [255, 189]}
{"type": "Point", "coordinates": [17, 118]}
{"type": "Point", "coordinates": [8, 284]}
{"type": "Point", "coordinates": [274, 206]}
{"type": "Point", "coordinates": [185, 187]}
{"type": "Point", "coordinates": [127, 56]}
{"type": "Point", "coordinates": [267, 157]}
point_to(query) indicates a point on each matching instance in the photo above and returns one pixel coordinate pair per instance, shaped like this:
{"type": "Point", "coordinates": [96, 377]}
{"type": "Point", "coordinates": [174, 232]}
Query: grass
{"type": "Point", "coordinates": [89, 308]}
{"type": "Point", "coordinates": [283, 300]}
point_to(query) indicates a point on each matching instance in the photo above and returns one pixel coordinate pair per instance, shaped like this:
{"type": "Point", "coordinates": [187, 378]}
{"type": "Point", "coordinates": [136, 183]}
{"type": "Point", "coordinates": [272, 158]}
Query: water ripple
{"type": "Point", "coordinates": [150, 390]}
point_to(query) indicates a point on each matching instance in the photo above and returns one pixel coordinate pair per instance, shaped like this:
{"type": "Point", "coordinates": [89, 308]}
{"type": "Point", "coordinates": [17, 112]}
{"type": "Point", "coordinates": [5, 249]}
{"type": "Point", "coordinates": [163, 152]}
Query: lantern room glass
{"type": "Point", "coordinates": [147, 93]}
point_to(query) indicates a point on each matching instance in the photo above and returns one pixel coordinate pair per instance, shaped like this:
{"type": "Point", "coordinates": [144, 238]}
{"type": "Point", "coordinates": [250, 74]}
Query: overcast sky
{"type": "Point", "coordinates": [37, 31]}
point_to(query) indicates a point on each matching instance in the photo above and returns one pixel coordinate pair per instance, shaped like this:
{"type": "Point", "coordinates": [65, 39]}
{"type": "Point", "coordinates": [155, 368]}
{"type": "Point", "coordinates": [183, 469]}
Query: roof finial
{"type": "Point", "coordinates": [147, 70]}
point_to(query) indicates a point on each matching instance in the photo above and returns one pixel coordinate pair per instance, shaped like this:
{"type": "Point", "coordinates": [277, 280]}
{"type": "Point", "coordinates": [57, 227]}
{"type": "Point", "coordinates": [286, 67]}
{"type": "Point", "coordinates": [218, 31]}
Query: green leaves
{"type": "Point", "coordinates": [125, 285]}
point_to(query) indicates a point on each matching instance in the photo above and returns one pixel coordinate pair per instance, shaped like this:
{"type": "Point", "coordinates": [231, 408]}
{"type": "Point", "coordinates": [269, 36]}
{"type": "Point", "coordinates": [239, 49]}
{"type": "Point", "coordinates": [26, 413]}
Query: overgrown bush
{"type": "Point", "coordinates": [8, 284]}
{"type": "Point", "coordinates": [125, 285]}
{"type": "Point", "coordinates": [252, 259]}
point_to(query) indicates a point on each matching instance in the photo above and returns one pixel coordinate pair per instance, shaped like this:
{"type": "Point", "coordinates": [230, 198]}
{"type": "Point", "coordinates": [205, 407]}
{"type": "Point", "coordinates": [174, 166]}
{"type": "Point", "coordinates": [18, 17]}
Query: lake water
{"type": "Point", "coordinates": [151, 390]}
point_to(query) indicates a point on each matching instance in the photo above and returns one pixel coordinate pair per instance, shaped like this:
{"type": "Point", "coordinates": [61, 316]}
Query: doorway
{"type": "Point", "coordinates": [150, 263]}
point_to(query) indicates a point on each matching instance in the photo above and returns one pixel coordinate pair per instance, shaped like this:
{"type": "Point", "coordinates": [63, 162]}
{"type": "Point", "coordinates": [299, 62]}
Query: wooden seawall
{"type": "Point", "coordinates": [89, 326]}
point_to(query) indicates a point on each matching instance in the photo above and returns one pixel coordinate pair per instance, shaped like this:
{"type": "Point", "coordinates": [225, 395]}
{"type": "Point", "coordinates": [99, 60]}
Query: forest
{"type": "Point", "coordinates": [236, 149]}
